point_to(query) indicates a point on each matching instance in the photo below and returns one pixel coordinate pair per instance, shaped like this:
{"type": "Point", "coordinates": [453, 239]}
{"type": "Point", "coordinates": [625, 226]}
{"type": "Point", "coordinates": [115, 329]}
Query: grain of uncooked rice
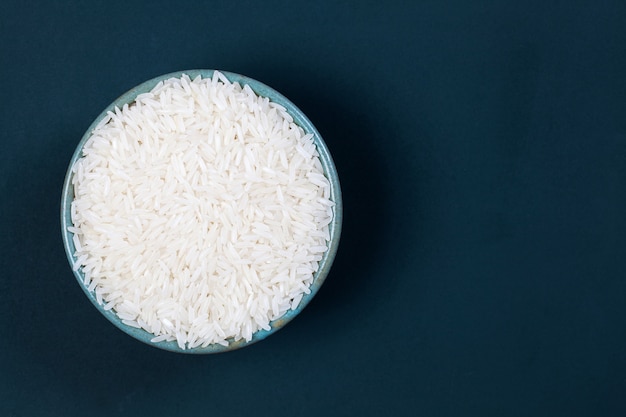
{"type": "Point", "coordinates": [201, 212]}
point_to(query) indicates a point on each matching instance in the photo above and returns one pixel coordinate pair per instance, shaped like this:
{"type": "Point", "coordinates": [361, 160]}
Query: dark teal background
{"type": "Point", "coordinates": [482, 152]}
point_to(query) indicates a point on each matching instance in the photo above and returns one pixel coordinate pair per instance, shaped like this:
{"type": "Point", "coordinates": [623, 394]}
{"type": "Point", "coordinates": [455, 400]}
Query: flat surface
{"type": "Point", "coordinates": [482, 153]}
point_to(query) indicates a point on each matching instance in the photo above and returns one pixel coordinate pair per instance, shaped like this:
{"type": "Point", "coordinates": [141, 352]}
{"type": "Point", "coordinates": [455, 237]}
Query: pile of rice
{"type": "Point", "coordinates": [201, 212]}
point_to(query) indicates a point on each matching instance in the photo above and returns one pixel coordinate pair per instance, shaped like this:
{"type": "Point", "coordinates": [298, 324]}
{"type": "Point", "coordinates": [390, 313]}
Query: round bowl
{"type": "Point", "coordinates": [329, 170]}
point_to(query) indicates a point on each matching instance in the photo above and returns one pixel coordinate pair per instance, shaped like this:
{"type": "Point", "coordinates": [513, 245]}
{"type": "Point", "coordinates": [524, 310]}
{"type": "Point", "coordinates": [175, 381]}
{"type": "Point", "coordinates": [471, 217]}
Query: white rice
{"type": "Point", "coordinates": [201, 212]}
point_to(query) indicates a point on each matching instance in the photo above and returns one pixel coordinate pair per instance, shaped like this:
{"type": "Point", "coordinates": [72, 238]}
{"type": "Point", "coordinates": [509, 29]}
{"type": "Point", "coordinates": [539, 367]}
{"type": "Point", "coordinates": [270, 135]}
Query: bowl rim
{"type": "Point", "coordinates": [330, 171]}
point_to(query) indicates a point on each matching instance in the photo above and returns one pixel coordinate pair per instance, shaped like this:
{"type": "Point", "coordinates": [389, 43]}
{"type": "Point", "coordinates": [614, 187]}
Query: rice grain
{"type": "Point", "coordinates": [201, 211]}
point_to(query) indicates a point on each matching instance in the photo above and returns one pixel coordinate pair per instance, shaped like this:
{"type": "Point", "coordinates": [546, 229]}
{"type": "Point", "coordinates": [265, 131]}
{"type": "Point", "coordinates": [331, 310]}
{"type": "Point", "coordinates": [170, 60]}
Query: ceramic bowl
{"type": "Point", "coordinates": [335, 227]}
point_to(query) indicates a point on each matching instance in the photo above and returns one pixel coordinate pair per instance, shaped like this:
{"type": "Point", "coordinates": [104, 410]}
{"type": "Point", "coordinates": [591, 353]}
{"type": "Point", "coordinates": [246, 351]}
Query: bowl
{"type": "Point", "coordinates": [329, 170]}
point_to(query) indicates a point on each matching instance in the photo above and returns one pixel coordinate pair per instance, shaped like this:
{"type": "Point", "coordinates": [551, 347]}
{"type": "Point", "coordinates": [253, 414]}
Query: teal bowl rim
{"type": "Point", "coordinates": [329, 169]}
